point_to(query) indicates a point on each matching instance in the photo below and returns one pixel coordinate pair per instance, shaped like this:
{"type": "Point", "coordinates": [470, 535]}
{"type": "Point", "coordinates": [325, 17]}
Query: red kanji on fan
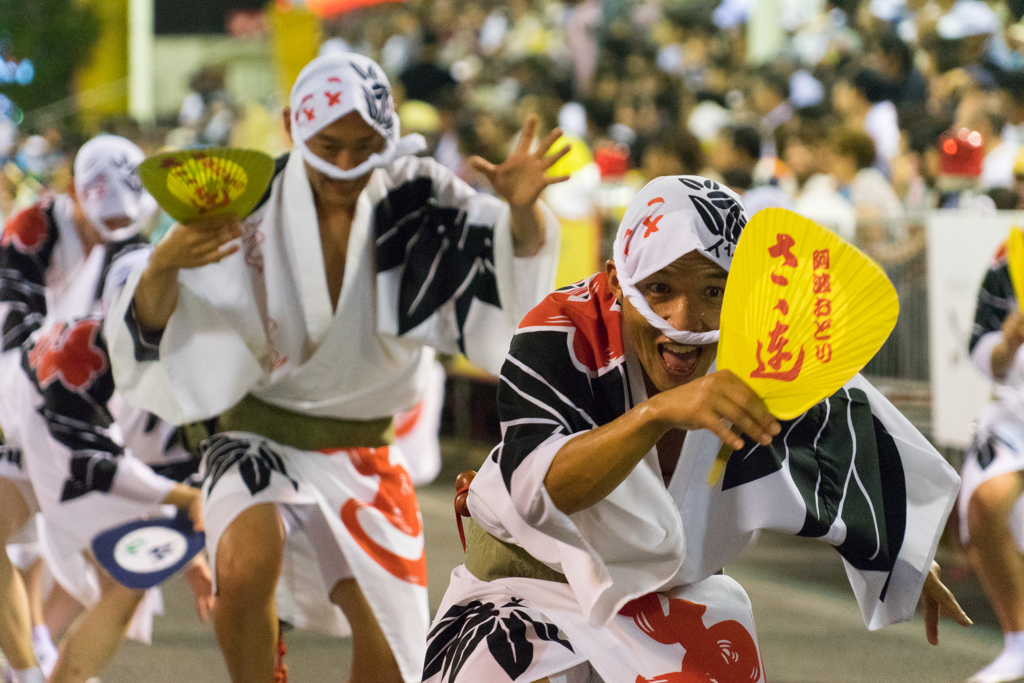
{"type": "Point", "coordinates": [822, 284]}
{"type": "Point", "coordinates": [778, 357]}
{"type": "Point", "coordinates": [783, 247]}
{"type": "Point", "coordinates": [822, 308]}
{"type": "Point", "coordinates": [821, 259]}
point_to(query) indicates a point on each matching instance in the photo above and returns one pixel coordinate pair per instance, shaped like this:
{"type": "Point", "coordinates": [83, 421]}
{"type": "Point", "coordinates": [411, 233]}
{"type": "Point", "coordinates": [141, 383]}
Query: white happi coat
{"type": "Point", "coordinates": [45, 275]}
{"type": "Point", "coordinates": [260, 322]}
{"type": "Point", "coordinates": [641, 564]}
{"type": "Point", "coordinates": [429, 265]}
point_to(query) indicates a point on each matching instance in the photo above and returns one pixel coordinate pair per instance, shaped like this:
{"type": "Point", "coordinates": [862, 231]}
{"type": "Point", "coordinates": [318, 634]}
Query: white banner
{"type": "Point", "coordinates": [961, 245]}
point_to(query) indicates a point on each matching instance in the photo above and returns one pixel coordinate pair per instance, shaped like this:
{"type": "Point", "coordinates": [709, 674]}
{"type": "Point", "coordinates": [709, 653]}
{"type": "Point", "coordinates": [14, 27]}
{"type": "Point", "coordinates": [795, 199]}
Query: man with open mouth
{"type": "Point", "coordinates": [597, 544]}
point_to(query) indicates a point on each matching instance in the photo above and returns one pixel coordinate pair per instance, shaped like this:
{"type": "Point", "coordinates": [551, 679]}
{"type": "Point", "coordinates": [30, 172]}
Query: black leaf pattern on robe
{"type": "Point", "coordinates": [256, 462]}
{"type": "Point", "coordinates": [464, 627]}
{"type": "Point", "coordinates": [844, 464]}
{"type": "Point", "coordinates": [984, 451]}
{"type": "Point", "coordinates": [445, 257]}
{"type": "Point", "coordinates": [10, 454]}
{"type": "Point", "coordinates": [456, 636]}
{"type": "Point", "coordinates": [509, 645]}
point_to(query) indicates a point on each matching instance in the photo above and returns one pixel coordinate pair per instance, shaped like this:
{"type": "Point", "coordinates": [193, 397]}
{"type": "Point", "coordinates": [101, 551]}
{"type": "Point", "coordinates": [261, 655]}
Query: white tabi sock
{"type": "Point", "coordinates": [44, 649]}
{"type": "Point", "coordinates": [33, 675]}
{"type": "Point", "coordinates": [1008, 666]}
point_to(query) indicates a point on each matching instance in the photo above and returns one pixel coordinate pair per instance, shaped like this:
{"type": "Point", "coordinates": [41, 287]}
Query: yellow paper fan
{"type": "Point", "coordinates": [195, 183]}
{"type": "Point", "coordinates": [803, 313]}
{"type": "Point", "coordinates": [1015, 260]}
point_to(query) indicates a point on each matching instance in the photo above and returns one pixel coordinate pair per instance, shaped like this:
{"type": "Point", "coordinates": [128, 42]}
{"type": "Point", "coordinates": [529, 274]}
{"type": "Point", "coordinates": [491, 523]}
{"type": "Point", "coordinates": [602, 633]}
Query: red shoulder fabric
{"type": "Point", "coordinates": [592, 315]}
{"type": "Point", "coordinates": [1000, 256]}
{"type": "Point", "coordinates": [26, 230]}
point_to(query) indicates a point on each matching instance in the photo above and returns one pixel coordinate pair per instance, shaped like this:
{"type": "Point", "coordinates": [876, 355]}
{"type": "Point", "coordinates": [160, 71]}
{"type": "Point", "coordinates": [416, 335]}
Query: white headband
{"type": "Point", "coordinates": [333, 85]}
{"type": "Point", "coordinates": [669, 218]}
{"type": "Point", "coordinates": [108, 186]}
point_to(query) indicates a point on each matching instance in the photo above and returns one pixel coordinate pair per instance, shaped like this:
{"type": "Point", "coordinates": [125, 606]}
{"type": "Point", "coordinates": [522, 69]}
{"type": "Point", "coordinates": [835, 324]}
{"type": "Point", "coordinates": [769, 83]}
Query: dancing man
{"type": "Point", "coordinates": [597, 544]}
{"type": "Point", "coordinates": [307, 338]}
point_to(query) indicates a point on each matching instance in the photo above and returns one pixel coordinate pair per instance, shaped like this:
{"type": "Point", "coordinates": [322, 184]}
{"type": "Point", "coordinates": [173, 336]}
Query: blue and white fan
{"type": "Point", "coordinates": [144, 553]}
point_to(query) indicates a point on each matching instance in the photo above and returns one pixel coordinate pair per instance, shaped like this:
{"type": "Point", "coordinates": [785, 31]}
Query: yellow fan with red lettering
{"type": "Point", "coordinates": [803, 313]}
{"type": "Point", "coordinates": [193, 183]}
{"type": "Point", "coordinates": [1015, 261]}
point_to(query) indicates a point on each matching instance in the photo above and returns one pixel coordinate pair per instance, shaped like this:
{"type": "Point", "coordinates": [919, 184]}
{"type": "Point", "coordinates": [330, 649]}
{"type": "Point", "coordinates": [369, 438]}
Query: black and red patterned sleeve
{"type": "Point", "coordinates": [564, 374]}
{"type": "Point", "coordinates": [68, 365]}
{"type": "Point", "coordinates": [26, 246]}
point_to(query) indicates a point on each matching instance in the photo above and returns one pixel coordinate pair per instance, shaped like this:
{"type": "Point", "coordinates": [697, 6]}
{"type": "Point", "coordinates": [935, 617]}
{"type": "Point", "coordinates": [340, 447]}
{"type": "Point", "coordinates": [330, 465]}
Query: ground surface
{"type": "Point", "coordinates": [809, 627]}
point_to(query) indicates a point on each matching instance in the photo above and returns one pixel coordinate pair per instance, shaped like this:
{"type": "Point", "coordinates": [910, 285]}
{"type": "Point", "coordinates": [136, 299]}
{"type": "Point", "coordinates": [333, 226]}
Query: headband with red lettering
{"type": "Point", "coordinates": [333, 85]}
{"type": "Point", "coordinates": [669, 218]}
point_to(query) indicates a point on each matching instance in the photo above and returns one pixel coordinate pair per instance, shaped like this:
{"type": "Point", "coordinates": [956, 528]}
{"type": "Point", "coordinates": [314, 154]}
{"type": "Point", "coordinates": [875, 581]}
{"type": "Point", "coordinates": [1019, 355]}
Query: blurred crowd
{"type": "Point", "coordinates": [868, 114]}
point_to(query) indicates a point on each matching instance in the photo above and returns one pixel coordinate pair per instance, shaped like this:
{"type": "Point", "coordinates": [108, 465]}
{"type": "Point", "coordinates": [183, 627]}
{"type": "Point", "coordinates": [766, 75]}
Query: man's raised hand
{"type": "Point", "coordinates": [521, 177]}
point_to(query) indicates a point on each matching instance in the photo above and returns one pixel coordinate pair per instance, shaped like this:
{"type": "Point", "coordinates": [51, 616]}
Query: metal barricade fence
{"type": "Point", "coordinates": [901, 369]}
{"type": "Point", "coordinates": [898, 246]}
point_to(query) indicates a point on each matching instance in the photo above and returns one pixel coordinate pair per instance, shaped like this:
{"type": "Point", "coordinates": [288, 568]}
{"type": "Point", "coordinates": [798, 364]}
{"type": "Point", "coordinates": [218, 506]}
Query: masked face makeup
{"type": "Point", "coordinates": [108, 186]}
{"type": "Point", "coordinates": [671, 217]}
{"type": "Point", "coordinates": [332, 86]}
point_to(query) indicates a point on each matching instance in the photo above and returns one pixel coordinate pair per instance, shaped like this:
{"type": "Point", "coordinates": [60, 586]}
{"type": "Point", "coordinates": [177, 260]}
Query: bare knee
{"type": "Point", "coordinates": [250, 552]}
{"type": "Point", "coordinates": [991, 504]}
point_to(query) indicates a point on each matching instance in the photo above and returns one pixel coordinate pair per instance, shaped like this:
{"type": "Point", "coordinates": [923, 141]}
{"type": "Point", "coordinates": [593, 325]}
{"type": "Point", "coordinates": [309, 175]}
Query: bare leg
{"type": "Point", "coordinates": [999, 565]}
{"type": "Point", "coordinates": [60, 609]}
{"type": "Point", "coordinates": [33, 579]}
{"type": "Point", "coordinates": [96, 636]}
{"type": "Point", "coordinates": [993, 552]}
{"type": "Point", "coordinates": [372, 659]}
{"type": "Point", "coordinates": [15, 618]}
{"type": "Point", "coordinates": [42, 641]}
{"type": "Point", "coordinates": [249, 558]}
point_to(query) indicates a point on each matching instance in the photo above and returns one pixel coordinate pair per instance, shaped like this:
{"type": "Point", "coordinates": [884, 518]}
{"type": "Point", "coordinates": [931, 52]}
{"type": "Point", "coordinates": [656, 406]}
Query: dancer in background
{"type": "Point", "coordinates": [991, 519]}
{"type": "Point", "coordinates": [53, 256]}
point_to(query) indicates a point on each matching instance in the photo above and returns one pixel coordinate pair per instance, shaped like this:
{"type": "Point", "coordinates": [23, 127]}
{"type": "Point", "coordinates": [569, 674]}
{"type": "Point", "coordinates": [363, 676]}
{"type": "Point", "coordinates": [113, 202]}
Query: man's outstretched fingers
{"type": "Point", "coordinates": [482, 165]}
{"type": "Point", "coordinates": [751, 404]}
{"type": "Point", "coordinates": [526, 135]}
{"type": "Point", "coordinates": [548, 140]}
{"type": "Point", "coordinates": [551, 160]}
{"type": "Point", "coordinates": [715, 422]}
{"type": "Point", "coordinates": [219, 255]}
